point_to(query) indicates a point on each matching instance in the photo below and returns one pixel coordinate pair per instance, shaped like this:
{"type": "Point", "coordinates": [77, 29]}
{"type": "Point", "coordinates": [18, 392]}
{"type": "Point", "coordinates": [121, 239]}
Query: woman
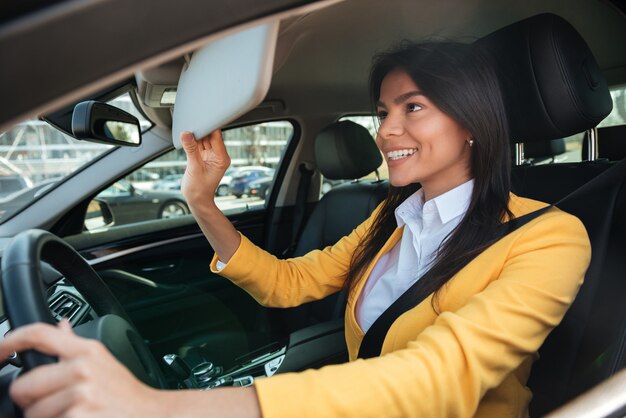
{"type": "Point", "coordinates": [464, 350]}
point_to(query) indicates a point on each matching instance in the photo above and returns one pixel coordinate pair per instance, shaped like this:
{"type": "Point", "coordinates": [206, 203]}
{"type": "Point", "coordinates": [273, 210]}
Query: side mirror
{"type": "Point", "coordinates": [99, 122]}
{"type": "Point", "coordinates": [134, 191]}
{"type": "Point", "coordinates": [98, 215]}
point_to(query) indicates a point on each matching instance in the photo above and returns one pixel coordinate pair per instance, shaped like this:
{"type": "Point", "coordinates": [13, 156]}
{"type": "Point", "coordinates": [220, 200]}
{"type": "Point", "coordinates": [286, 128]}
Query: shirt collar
{"type": "Point", "coordinates": [454, 202]}
{"type": "Point", "coordinates": [449, 205]}
{"type": "Point", "coordinates": [411, 208]}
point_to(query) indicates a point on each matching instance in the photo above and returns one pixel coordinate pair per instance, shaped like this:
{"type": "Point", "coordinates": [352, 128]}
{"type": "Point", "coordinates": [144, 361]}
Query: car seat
{"type": "Point", "coordinates": [343, 151]}
{"type": "Point", "coordinates": [530, 181]}
{"type": "Point", "coordinates": [545, 150]}
{"type": "Point", "coordinates": [611, 143]}
{"type": "Point", "coordinates": [553, 88]}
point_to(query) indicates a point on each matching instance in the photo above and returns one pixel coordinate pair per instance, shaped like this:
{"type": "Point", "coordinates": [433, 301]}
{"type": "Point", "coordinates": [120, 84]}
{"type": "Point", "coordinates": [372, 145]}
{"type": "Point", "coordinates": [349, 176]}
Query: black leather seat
{"type": "Point", "coordinates": [343, 151]}
{"type": "Point", "coordinates": [529, 180]}
{"type": "Point", "coordinates": [611, 143]}
{"type": "Point", "coordinates": [552, 182]}
{"type": "Point", "coordinates": [590, 343]}
{"type": "Point", "coordinates": [545, 150]}
{"type": "Point", "coordinates": [553, 88]}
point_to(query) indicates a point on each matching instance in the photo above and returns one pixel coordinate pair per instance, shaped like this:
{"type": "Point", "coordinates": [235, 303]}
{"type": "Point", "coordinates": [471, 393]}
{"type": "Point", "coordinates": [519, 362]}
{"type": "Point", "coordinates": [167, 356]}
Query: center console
{"type": "Point", "coordinates": [310, 347]}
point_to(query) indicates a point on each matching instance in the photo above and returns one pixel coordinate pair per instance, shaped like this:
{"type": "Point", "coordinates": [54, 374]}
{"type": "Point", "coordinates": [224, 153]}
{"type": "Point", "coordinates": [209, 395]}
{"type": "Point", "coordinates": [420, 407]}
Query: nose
{"type": "Point", "coordinates": [390, 126]}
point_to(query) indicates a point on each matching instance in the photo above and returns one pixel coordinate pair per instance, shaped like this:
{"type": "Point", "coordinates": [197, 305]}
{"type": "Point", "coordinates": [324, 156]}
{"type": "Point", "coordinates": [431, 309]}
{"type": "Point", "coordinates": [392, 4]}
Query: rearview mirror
{"type": "Point", "coordinates": [99, 122]}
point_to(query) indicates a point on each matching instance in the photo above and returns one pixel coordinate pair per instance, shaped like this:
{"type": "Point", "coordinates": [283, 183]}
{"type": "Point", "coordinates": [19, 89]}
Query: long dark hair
{"type": "Point", "coordinates": [461, 81]}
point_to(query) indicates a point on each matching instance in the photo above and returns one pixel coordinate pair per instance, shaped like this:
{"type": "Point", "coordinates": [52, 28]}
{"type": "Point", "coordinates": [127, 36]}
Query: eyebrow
{"type": "Point", "coordinates": [401, 98]}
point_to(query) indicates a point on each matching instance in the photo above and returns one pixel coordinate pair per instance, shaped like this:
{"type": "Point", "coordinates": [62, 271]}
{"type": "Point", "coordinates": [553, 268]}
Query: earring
{"type": "Point", "coordinates": [470, 142]}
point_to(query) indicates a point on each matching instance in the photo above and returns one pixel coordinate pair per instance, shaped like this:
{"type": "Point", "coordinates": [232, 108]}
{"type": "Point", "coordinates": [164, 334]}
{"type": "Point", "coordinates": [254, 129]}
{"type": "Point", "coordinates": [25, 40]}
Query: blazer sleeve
{"type": "Point", "coordinates": [285, 283]}
{"type": "Point", "coordinates": [448, 368]}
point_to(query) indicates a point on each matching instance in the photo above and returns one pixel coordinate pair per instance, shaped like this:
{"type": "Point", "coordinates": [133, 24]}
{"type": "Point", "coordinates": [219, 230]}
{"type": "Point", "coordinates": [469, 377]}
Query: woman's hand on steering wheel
{"type": "Point", "coordinates": [86, 381]}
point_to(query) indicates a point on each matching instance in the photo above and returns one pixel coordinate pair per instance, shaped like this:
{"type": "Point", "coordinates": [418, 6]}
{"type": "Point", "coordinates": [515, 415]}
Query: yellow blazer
{"type": "Point", "coordinates": [472, 358]}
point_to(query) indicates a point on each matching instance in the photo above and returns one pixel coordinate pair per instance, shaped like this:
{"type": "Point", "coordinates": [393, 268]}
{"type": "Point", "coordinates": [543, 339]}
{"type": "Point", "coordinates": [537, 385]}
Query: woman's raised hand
{"type": "Point", "coordinates": [207, 160]}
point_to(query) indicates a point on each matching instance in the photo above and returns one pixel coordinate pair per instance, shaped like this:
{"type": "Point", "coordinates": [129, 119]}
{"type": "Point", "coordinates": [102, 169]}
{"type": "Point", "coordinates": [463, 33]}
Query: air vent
{"type": "Point", "coordinates": [65, 306]}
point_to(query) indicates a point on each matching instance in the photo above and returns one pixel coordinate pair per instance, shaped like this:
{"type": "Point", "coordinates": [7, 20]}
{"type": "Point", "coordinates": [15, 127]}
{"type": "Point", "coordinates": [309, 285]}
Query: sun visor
{"type": "Point", "coordinates": [551, 82]}
{"type": "Point", "coordinates": [223, 80]}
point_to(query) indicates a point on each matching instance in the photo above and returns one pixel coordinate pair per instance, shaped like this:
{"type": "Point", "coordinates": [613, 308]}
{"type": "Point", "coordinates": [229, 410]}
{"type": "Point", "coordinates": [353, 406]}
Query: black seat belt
{"type": "Point", "coordinates": [300, 208]}
{"type": "Point", "coordinates": [373, 340]}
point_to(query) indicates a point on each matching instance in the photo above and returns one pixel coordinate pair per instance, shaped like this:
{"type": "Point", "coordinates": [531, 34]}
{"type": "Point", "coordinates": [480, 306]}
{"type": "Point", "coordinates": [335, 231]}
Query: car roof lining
{"type": "Point", "coordinates": [38, 50]}
{"type": "Point", "coordinates": [322, 64]}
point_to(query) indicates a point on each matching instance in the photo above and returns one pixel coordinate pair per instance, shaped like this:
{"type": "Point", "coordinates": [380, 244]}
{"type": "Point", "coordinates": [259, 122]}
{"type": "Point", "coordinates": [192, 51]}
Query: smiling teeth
{"type": "Point", "coordinates": [396, 155]}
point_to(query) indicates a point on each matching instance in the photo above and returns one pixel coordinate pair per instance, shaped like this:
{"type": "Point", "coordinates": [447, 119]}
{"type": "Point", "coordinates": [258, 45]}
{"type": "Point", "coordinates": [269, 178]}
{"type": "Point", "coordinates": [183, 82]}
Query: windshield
{"type": "Point", "coordinates": [35, 155]}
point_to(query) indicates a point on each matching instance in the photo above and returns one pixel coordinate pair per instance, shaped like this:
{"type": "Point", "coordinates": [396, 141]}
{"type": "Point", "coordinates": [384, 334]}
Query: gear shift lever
{"type": "Point", "coordinates": [180, 368]}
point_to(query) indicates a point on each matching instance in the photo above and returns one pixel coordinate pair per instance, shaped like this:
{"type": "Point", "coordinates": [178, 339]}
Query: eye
{"type": "Point", "coordinates": [413, 107]}
{"type": "Point", "coordinates": [381, 114]}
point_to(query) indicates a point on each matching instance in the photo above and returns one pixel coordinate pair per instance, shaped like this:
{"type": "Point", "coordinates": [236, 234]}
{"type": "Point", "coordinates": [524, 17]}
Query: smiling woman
{"type": "Point", "coordinates": [449, 135]}
{"type": "Point", "coordinates": [457, 338]}
{"type": "Point", "coordinates": [437, 133]}
{"type": "Point", "coordinates": [437, 149]}
{"type": "Point", "coordinates": [459, 342]}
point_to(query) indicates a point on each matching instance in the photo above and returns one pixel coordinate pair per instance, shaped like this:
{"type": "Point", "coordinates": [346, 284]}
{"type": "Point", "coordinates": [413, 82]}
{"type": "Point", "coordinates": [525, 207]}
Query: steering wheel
{"type": "Point", "coordinates": [25, 303]}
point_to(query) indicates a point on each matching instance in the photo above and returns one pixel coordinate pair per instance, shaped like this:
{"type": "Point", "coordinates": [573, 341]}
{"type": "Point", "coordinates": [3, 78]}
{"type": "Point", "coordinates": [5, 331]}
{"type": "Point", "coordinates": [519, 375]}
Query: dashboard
{"type": "Point", "coordinates": [64, 301]}
{"type": "Point", "coordinates": [310, 347]}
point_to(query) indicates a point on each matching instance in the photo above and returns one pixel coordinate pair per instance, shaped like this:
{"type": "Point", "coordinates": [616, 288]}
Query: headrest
{"type": "Point", "coordinates": [544, 149]}
{"type": "Point", "coordinates": [345, 150]}
{"type": "Point", "coordinates": [551, 82]}
{"type": "Point", "coordinates": [611, 143]}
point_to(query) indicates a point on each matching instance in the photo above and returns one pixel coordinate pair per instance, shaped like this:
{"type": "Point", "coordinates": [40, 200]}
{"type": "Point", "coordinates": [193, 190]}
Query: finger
{"type": "Point", "coordinates": [45, 380]}
{"type": "Point", "coordinates": [190, 145]}
{"type": "Point", "coordinates": [45, 338]}
{"type": "Point", "coordinates": [55, 405]}
{"type": "Point", "coordinates": [216, 142]}
{"type": "Point", "coordinates": [65, 325]}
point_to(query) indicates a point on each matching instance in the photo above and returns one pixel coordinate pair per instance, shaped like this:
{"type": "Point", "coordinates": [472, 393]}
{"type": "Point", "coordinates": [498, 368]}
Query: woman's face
{"type": "Point", "coordinates": [419, 142]}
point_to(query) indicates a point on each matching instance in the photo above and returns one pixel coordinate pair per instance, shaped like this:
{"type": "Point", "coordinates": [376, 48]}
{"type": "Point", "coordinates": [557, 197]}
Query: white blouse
{"type": "Point", "coordinates": [428, 224]}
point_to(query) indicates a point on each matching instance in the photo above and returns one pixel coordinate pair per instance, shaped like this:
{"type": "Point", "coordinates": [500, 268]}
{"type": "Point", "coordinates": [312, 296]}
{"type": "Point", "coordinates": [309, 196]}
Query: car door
{"type": "Point", "coordinates": [159, 270]}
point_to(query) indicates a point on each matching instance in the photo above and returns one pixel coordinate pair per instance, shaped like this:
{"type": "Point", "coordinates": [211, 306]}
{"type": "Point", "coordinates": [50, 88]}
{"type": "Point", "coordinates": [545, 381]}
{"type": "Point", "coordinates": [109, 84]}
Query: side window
{"type": "Point", "coordinates": [117, 189]}
{"type": "Point", "coordinates": [618, 114]}
{"type": "Point", "coordinates": [153, 191]}
{"type": "Point", "coordinates": [255, 152]}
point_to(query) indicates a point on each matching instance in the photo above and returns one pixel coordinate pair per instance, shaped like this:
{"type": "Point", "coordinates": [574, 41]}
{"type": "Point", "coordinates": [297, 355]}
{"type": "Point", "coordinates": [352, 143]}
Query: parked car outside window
{"type": "Point", "coordinates": [129, 204]}
{"type": "Point", "coordinates": [244, 176]}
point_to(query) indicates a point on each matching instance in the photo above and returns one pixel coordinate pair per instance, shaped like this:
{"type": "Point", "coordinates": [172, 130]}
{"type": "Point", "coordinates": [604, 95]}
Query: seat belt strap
{"type": "Point", "coordinates": [374, 338]}
{"type": "Point", "coordinates": [300, 207]}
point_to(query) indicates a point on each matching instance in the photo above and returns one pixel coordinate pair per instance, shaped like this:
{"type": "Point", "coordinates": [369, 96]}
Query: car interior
{"type": "Point", "coordinates": [561, 70]}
